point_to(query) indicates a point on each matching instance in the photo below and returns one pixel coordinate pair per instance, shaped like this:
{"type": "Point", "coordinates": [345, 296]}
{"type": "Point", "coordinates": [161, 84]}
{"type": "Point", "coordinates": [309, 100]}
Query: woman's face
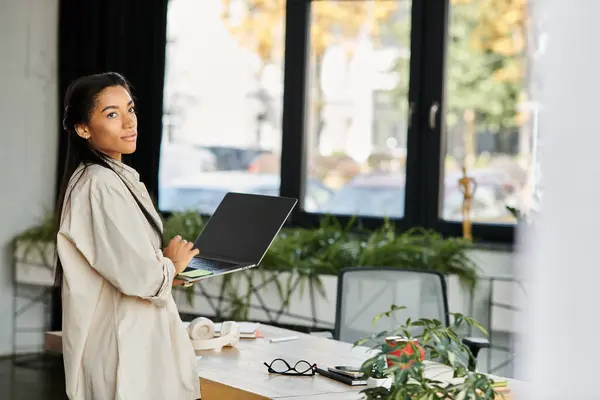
{"type": "Point", "coordinates": [112, 128]}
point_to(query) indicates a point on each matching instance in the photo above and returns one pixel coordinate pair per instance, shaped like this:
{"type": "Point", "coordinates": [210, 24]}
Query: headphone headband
{"type": "Point", "coordinates": [201, 332]}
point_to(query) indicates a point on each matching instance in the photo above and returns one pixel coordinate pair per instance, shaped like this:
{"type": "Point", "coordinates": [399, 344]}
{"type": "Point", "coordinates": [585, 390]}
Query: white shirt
{"type": "Point", "coordinates": [122, 335]}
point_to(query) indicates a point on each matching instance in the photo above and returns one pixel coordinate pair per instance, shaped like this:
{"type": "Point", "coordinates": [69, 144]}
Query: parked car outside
{"type": "Point", "coordinates": [383, 195]}
{"type": "Point", "coordinates": [203, 192]}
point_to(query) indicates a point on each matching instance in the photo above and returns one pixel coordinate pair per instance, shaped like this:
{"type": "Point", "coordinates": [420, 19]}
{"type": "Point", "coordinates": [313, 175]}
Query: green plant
{"type": "Point", "coordinates": [522, 216]}
{"type": "Point", "coordinates": [408, 372]}
{"type": "Point", "coordinates": [332, 246]}
{"type": "Point", "coordinates": [45, 231]}
{"type": "Point", "coordinates": [378, 369]}
{"type": "Point", "coordinates": [516, 213]}
{"type": "Point", "coordinates": [307, 254]}
{"type": "Point", "coordinates": [187, 224]}
{"type": "Point", "coordinates": [327, 249]}
{"type": "Point", "coordinates": [37, 239]}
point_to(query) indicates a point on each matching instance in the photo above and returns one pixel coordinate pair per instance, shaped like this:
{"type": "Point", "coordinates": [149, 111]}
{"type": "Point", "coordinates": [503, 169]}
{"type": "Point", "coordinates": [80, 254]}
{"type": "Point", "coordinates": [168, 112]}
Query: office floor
{"type": "Point", "coordinates": [32, 383]}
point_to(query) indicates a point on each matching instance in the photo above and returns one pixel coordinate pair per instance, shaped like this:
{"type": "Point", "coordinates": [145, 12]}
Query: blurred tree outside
{"type": "Point", "coordinates": [485, 67]}
{"type": "Point", "coordinates": [258, 26]}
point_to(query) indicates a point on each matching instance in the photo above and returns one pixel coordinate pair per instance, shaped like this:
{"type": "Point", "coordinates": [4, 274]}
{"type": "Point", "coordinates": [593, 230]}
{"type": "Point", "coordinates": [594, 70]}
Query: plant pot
{"type": "Point", "coordinates": [379, 382]}
{"type": "Point", "coordinates": [403, 347]}
{"type": "Point", "coordinates": [258, 290]}
{"type": "Point", "coordinates": [34, 263]}
{"type": "Point", "coordinates": [208, 300]}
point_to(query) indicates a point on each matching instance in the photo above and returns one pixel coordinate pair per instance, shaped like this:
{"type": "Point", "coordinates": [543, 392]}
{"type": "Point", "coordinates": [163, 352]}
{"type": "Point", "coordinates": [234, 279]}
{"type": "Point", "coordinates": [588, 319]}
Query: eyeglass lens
{"type": "Point", "coordinates": [281, 366]}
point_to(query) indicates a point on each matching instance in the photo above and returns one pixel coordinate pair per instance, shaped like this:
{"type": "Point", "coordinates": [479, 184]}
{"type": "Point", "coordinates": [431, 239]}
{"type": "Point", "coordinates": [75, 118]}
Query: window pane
{"type": "Point", "coordinates": [223, 101]}
{"type": "Point", "coordinates": [357, 107]}
{"type": "Point", "coordinates": [490, 116]}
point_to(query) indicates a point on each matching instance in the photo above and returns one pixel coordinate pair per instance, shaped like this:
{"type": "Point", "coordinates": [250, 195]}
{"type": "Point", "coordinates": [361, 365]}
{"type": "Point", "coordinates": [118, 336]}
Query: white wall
{"type": "Point", "coordinates": [560, 256]}
{"type": "Point", "coordinates": [28, 131]}
{"type": "Point", "coordinates": [499, 266]}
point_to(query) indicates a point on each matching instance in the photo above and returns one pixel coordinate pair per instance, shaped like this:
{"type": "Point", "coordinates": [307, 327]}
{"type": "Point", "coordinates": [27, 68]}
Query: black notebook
{"type": "Point", "coordinates": [342, 378]}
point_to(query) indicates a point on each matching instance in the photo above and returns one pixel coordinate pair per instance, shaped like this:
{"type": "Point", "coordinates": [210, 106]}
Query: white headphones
{"type": "Point", "coordinates": [202, 334]}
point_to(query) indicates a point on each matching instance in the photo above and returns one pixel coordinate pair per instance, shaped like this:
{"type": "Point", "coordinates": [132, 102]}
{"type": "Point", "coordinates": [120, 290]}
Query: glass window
{"type": "Point", "coordinates": [357, 107]}
{"type": "Point", "coordinates": [222, 101]}
{"type": "Point", "coordinates": [490, 118]}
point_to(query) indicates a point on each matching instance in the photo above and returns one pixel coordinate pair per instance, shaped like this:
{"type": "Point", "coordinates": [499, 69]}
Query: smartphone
{"type": "Point", "coordinates": [352, 372]}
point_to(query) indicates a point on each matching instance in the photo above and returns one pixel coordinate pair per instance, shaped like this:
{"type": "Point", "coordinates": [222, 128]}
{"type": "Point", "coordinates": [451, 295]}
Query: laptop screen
{"type": "Point", "coordinates": [243, 226]}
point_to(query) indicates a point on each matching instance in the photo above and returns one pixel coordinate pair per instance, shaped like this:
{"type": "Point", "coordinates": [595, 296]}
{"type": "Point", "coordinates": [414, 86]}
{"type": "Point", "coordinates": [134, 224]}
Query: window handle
{"type": "Point", "coordinates": [433, 110]}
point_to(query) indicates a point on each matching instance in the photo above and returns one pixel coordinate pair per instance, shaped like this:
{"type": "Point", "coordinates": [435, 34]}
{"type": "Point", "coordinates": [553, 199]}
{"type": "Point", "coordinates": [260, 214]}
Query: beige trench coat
{"type": "Point", "coordinates": [123, 338]}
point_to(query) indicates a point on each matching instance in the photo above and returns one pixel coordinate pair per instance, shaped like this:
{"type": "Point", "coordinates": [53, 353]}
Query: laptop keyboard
{"type": "Point", "coordinates": [210, 265]}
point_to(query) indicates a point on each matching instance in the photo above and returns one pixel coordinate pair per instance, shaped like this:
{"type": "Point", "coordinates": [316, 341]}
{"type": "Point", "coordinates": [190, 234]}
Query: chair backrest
{"type": "Point", "coordinates": [364, 292]}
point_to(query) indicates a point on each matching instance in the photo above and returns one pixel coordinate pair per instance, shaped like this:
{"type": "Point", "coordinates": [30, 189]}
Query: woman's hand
{"type": "Point", "coordinates": [181, 252]}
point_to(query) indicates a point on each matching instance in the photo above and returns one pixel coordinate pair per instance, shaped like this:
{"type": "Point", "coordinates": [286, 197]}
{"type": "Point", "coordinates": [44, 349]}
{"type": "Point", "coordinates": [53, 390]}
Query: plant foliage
{"type": "Point", "coordinates": [409, 373]}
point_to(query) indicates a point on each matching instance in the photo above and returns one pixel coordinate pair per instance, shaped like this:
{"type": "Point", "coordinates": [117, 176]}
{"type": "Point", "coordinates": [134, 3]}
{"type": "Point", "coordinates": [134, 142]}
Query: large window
{"type": "Point", "coordinates": [359, 108]}
{"type": "Point", "coordinates": [489, 113]}
{"type": "Point", "coordinates": [357, 100]}
{"type": "Point", "coordinates": [222, 101]}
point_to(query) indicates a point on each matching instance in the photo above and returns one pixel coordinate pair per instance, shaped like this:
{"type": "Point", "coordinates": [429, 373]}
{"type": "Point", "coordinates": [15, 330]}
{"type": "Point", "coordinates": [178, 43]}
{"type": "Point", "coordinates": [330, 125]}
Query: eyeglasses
{"type": "Point", "coordinates": [280, 366]}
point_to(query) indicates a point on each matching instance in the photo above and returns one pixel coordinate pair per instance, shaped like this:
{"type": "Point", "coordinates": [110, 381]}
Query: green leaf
{"type": "Point", "coordinates": [452, 358]}
{"type": "Point", "coordinates": [462, 395]}
{"type": "Point", "coordinates": [388, 313]}
{"type": "Point", "coordinates": [477, 325]}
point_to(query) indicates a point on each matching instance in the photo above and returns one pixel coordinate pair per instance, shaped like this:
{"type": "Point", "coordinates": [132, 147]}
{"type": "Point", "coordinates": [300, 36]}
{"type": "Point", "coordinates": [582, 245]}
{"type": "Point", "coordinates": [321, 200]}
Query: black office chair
{"type": "Point", "coordinates": [364, 292]}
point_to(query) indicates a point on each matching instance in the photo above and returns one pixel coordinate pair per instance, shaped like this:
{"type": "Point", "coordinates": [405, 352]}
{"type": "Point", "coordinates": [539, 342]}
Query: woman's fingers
{"type": "Point", "coordinates": [178, 243]}
{"type": "Point", "coordinates": [195, 252]}
{"type": "Point", "coordinates": [176, 239]}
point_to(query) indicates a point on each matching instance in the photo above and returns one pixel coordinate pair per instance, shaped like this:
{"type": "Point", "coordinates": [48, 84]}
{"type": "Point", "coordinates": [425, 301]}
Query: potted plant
{"type": "Point", "coordinates": [377, 377]}
{"type": "Point", "coordinates": [411, 368]}
{"type": "Point", "coordinates": [34, 253]}
{"type": "Point", "coordinates": [308, 260]}
{"type": "Point", "coordinates": [330, 247]}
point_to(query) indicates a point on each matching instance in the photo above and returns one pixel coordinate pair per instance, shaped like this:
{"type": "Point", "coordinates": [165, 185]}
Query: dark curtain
{"type": "Point", "coordinates": [128, 37]}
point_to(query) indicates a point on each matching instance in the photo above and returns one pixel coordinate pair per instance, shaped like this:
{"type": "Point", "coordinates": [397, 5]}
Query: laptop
{"type": "Point", "coordinates": [238, 234]}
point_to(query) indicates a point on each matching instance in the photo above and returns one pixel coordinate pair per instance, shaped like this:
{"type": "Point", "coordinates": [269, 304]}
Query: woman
{"type": "Point", "coordinates": [122, 335]}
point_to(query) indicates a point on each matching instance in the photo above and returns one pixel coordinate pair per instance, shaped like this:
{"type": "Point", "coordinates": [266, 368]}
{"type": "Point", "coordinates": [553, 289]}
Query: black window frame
{"type": "Point", "coordinates": [425, 143]}
{"type": "Point", "coordinates": [432, 149]}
